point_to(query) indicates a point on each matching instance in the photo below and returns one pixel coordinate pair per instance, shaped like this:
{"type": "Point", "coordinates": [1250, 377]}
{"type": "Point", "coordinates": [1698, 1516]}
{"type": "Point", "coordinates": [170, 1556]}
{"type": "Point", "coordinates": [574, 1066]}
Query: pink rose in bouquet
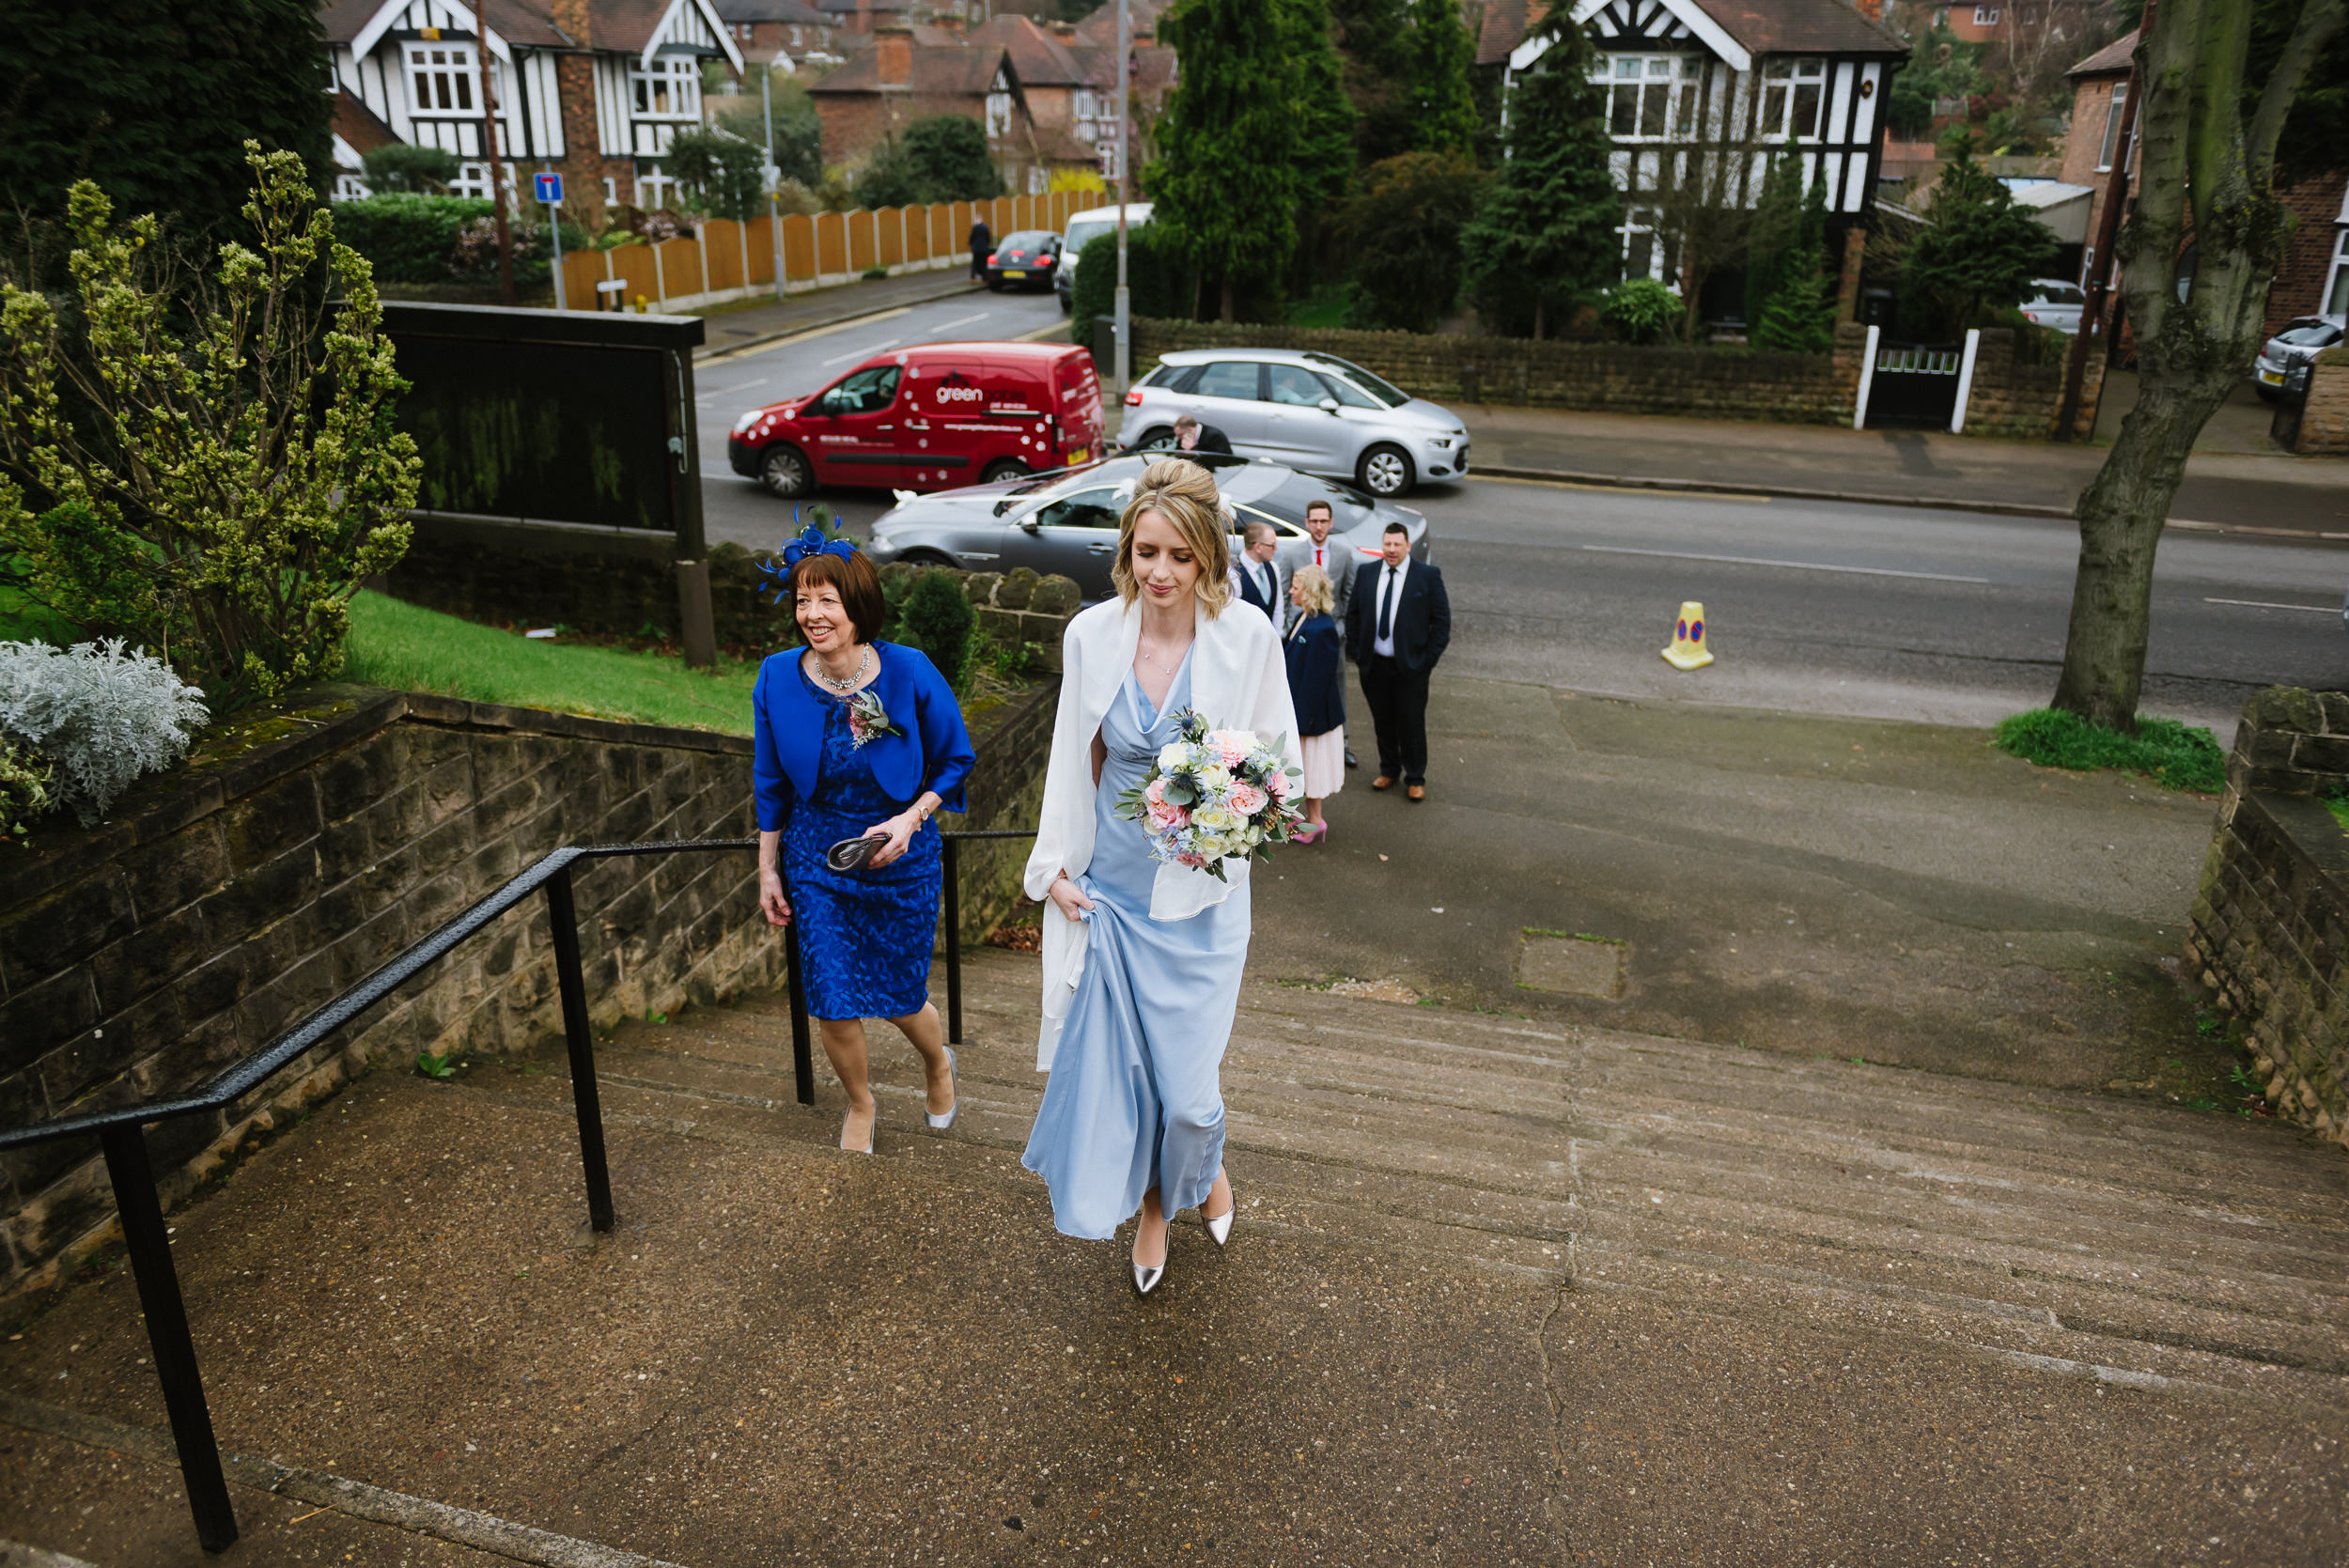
{"type": "Point", "coordinates": [1233, 744]}
{"type": "Point", "coordinates": [1245, 799]}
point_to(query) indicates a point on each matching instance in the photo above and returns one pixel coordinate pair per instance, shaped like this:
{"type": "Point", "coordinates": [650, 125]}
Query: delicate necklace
{"type": "Point", "coordinates": [843, 687]}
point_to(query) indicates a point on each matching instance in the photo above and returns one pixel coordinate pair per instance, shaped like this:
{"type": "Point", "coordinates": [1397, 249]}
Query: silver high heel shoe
{"type": "Point", "coordinates": [1220, 1226]}
{"type": "Point", "coordinates": [937, 1122]}
{"type": "Point", "coordinates": [1146, 1279]}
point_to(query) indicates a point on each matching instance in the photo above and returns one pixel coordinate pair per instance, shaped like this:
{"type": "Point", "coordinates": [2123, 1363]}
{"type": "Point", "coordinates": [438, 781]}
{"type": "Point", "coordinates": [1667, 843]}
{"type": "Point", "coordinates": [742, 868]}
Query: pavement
{"type": "Point", "coordinates": [1692, 1135]}
{"type": "Point", "coordinates": [757, 323]}
{"type": "Point", "coordinates": [2235, 482]}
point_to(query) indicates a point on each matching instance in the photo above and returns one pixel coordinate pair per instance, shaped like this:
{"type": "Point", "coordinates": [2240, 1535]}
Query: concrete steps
{"type": "Point", "coordinates": [2069, 1230]}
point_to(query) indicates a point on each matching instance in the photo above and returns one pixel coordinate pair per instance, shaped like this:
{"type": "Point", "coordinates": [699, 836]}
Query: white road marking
{"type": "Point", "coordinates": [2263, 604]}
{"type": "Point", "coordinates": [860, 353]}
{"type": "Point", "coordinates": [964, 321]}
{"type": "Point", "coordinates": [1793, 566]}
{"type": "Point", "coordinates": [1618, 489]}
{"type": "Point", "coordinates": [722, 355]}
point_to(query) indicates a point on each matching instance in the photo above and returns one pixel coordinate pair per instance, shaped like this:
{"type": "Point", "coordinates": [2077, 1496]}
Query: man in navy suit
{"type": "Point", "coordinates": [1255, 576]}
{"type": "Point", "coordinates": [1396, 627]}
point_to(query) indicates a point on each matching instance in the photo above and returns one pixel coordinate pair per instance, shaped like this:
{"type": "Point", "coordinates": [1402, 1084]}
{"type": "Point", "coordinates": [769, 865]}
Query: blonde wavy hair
{"type": "Point", "coordinates": [1182, 493]}
{"type": "Point", "coordinates": [1314, 583]}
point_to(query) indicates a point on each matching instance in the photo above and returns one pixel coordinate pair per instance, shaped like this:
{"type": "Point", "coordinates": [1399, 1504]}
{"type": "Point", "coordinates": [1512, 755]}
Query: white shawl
{"type": "Point", "coordinates": [1238, 680]}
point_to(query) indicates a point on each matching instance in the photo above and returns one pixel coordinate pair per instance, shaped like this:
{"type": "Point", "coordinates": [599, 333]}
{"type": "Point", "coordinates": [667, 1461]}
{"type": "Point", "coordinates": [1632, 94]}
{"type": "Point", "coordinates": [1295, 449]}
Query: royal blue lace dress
{"type": "Point", "coordinates": [864, 936]}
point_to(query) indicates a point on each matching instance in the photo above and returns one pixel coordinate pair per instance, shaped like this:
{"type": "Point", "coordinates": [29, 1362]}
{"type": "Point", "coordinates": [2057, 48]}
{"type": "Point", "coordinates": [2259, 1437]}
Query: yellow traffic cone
{"type": "Point", "coordinates": [1689, 651]}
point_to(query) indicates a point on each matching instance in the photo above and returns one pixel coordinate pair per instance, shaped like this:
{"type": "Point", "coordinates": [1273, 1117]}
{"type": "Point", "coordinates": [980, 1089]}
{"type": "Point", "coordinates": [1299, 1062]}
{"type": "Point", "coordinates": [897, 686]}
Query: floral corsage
{"type": "Point", "coordinates": [867, 720]}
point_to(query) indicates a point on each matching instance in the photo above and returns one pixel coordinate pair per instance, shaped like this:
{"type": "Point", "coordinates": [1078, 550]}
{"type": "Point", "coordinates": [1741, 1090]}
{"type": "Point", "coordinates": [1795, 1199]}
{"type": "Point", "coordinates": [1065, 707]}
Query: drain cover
{"type": "Point", "coordinates": [1582, 966]}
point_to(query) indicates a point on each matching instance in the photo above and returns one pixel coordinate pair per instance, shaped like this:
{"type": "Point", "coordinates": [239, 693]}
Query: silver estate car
{"type": "Point", "coordinates": [1311, 412]}
{"type": "Point", "coordinates": [1067, 521]}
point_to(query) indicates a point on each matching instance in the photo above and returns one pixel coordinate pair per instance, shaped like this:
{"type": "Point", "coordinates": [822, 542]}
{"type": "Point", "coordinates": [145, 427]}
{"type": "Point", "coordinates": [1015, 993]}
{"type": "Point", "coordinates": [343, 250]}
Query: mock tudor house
{"type": "Point", "coordinates": [885, 88]}
{"type": "Point", "coordinates": [592, 89]}
{"type": "Point", "coordinates": [1692, 81]}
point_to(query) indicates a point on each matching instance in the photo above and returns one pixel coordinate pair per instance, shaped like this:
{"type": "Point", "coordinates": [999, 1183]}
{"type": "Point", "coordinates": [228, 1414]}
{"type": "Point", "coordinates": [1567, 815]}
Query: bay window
{"type": "Point", "coordinates": [441, 78]}
{"type": "Point", "coordinates": [668, 89]}
{"type": "Point", "coordinates": [1649, 97]}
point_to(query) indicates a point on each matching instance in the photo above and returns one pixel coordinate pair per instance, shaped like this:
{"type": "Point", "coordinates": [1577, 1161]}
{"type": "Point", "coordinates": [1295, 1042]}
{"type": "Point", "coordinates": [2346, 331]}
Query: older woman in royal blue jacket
{"type": "Point", "coordinates": [857, 738]}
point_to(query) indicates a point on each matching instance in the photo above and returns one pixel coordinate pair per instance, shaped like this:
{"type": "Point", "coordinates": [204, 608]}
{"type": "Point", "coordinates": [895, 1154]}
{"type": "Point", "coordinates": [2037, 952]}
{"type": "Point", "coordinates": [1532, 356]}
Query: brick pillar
{"type": "Point", "coordinates": [1847, 291]}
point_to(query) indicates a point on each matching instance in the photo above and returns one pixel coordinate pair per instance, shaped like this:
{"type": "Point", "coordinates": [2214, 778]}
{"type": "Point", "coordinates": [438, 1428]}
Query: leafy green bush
{"type": "Point", "coordinates": [1640, 310]}
{"type": "Point", "coordinates": [1157, 283]}
{"type": "Point", "coordinates": [407, 238]}
{"type": "Point", "coordinates": [723, 172]}
{"type": "Point", "coordinates": [1975, 258]}
{"type": "Point", "coordinates": [406, 166]}
{"type": "Point", "coordinates": [939, 620]}
{"type": "Point", "coordinates": [2172, 754]}
{"type": "Point", "coordinates": [1401, 231]}
{"type": "Point", "coordinates": [943, 158]}
{"type": "Point", "coordinates": [25, 776]}
{"type": "Point", "coordinates": [177, 401]}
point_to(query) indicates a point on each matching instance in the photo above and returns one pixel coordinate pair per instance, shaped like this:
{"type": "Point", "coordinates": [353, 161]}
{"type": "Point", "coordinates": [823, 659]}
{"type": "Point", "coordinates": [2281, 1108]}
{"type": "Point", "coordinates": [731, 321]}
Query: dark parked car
{"type": "Point", "coordinates": [1067, 522]}
{"type": "Point", "coordinates": [1025, 261]}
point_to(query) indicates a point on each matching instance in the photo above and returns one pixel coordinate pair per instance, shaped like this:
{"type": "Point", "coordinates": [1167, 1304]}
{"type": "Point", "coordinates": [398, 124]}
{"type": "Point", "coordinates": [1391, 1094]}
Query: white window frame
{"type": "Point", "coordinates": [2113, 108]}
{"type": "Point", "coordinates": [998, 115]}
{"type": "Point", "coordinates": [1785, 82]}
{"type": "Point", "coordinates": [1655, 93]}
{"type": "Point", "coordinates": [2335, 300]}
{"type": "Point", "coordinates": [677, 77]}
{"type": "Point", "coordinates": [1643, 225]}
{"type": "Point", "coordinates": [652, 187]}
{"type": "Point", "coordinates": [452, 69]}
{"type": "Point", "coordinates": [1986, 16]}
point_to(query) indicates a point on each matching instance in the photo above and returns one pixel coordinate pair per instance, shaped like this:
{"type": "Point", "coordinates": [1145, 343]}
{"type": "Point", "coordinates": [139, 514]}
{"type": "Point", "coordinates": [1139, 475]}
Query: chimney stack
{"type": "Point", "coordinates": [1872, 9]}
{"type": "Point", "coordinates": [892, 55]}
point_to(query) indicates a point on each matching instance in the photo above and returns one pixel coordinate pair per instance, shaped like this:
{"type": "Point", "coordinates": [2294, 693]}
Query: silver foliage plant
{"type": "Point", "coordinates": [102, 715]}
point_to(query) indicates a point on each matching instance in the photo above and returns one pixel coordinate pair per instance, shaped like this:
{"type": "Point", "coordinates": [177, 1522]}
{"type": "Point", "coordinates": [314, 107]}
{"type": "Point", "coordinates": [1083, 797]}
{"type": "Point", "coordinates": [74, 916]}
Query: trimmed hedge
{"type": "Point", "coordinates": [409, 237]}
{"type": "Point", "coordinates": [1156, 278]}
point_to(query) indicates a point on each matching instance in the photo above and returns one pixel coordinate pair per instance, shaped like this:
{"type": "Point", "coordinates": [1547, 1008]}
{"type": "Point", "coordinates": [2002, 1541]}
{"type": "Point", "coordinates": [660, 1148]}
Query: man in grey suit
{"type": "Point", "coordinates": [1338, 559]}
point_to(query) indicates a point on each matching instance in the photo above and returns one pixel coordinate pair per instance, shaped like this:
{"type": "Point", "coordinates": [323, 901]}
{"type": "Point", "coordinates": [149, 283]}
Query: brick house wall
{"type": "Point", "coordinates": [2299, 288]}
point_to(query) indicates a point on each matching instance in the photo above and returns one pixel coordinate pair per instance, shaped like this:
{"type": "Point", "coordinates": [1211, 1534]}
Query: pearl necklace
{"type": "Point", "coordinates": [843, 687]}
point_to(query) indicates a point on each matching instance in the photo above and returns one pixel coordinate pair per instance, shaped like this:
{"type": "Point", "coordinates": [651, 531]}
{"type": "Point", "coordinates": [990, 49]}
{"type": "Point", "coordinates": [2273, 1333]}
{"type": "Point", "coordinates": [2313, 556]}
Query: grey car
{"type": "Point", "coordinates": [1311, 412]}
{"type": "Point", "coordinates": [1067, 521]}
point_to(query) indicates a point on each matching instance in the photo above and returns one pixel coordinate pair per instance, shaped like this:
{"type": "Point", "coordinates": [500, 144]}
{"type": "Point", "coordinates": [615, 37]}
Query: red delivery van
{"type": "Point", "coordinates": [928, 418]}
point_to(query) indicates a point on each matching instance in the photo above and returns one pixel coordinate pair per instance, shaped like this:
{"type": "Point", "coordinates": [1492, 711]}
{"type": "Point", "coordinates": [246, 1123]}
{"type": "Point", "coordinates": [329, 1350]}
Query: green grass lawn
{"type": "Point", "coordinates": [2169, 753]}
{"type": "Point", "coordinates": [397, 644]}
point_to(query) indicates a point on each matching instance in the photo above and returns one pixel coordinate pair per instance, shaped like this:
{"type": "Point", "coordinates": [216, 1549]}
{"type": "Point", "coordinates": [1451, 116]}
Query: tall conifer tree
{"type": "Point", "coordinates": [1444, 116]}
{"type": "Point", "coordinates": [1544, 235]}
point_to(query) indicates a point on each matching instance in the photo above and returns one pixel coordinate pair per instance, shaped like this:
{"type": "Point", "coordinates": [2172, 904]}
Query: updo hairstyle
{"type": "Point", "coordinates": [1182, 493]}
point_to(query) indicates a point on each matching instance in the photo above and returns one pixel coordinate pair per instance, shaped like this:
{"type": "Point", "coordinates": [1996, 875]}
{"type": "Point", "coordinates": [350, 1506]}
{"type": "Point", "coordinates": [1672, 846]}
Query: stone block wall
{"type": "Point", "coordinates": [1710, 384]}
{"type": "Point", "coordinates": [2268, 938]}
{"type": "Point", "coordinates": [297, 853]}
{"type": "Point", "coordinates": [540, 580]}
{"type": "Point", "coordinates": [2018, 387]}
{"type": "Point", "coordinates": [2324, 421]}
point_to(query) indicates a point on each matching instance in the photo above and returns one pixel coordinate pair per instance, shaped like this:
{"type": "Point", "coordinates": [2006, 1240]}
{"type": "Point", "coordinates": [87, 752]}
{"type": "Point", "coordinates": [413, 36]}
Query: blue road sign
{"type": "Point", "coordinates": [550, 188]}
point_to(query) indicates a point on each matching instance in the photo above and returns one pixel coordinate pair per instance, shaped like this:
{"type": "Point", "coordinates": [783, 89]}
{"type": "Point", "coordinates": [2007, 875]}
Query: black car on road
{"type": "Point", "coordinates": [1026, 260]}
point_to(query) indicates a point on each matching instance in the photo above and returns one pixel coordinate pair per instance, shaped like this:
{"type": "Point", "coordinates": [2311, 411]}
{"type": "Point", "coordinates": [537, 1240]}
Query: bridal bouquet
{"type": "Point", "coordinates": [1213, 794]}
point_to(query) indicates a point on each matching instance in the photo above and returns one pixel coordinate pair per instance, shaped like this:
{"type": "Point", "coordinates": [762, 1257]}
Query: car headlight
{"type": "Point", "coordinates": [743, 423]}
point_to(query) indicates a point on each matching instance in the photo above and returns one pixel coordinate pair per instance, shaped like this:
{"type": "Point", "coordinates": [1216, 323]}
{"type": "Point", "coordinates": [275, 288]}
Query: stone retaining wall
{"type": "Point", "coordinates": [1710, 384]}
{"type": "Point", "coordinates": [2324, 421]}
{"type": "Point", "coordinates": [2011, 396]}
{"type": "Point", "coordinates": [545, 579]}
{"type": "Point", "coordinates": [299, 853]}
{"type": "Point", "coordinates": [2269, 935]}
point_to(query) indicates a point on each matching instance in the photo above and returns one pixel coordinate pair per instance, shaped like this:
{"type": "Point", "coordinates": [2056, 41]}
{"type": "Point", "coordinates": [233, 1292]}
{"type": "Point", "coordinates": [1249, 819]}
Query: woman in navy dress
{"type": "Point", "coordinates": [1317, 665]}
{"type": "Point", "coordinates": [857, 738]}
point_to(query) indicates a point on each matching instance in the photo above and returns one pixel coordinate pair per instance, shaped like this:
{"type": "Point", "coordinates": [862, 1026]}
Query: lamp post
{"type": "Point", "coordinates": [1123, 359]}
{"type": "Point", "coordinates": [771, 175]}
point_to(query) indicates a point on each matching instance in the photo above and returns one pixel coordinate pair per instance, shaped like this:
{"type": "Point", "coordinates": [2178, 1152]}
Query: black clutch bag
{"type": "Point", "coordinates": [851, 854]}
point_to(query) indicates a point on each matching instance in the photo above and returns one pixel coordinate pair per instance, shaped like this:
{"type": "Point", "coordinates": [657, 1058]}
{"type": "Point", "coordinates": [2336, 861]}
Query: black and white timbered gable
{"type": "Point", "coordinates": [1712, 91]}
{"type": "Point", "coordinates": [415, 66]}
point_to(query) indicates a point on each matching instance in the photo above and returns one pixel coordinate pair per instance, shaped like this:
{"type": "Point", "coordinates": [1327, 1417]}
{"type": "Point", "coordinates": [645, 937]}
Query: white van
{"type": "Point", "coordinates": [1083, 226]}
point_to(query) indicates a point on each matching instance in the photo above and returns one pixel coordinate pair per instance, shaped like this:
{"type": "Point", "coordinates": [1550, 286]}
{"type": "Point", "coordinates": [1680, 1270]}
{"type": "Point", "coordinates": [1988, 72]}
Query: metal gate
{"type": "Point", "coordinates": [1914, 383]}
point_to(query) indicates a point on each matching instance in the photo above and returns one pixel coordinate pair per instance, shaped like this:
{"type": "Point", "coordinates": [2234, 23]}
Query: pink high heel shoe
{"type": "Point", "coordinates": [1315, 832]}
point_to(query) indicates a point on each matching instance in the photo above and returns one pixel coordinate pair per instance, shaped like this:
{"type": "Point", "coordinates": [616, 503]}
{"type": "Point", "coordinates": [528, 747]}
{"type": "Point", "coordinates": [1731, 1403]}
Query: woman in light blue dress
{"type": "Point", "coordinates": [1142, 968]}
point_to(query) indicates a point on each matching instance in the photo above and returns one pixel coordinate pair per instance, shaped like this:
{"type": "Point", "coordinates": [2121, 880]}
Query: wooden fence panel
{"type": "Point", "coordinates": [762, 244]}
{"type": "Point", "coordinates": [864, 239]}
{"type": "Point", "coordinates": [798, 248]}
{"type": "Point", "coordinates": [582, 271]}
{"type": "Point", "coordinates": [633, 265]}
{"type": "Point", "coordinates": [892, 237]}
{"type": "Point", "coordinates": [721, 244]}
{"type": "Point", "coordinates": [680, 268]}
{"type": "Point", "coordinates": [832, 245]}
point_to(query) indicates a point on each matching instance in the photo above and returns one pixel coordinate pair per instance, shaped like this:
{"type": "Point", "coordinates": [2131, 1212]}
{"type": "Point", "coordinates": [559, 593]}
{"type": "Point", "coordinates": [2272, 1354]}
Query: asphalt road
{"type": "Point", "coordinates": [1866, 610]}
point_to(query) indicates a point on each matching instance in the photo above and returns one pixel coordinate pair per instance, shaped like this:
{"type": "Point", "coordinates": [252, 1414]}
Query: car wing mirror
{"type": "Point", "coordinates": [1027, 524]}
{"type": "Point", "coordinates": [1329, 405]}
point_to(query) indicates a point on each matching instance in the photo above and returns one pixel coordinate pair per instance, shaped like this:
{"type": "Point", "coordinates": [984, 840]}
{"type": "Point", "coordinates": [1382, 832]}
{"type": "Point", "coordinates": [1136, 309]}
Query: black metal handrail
{"type": "Point", "coordinates": [121, 1130]}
